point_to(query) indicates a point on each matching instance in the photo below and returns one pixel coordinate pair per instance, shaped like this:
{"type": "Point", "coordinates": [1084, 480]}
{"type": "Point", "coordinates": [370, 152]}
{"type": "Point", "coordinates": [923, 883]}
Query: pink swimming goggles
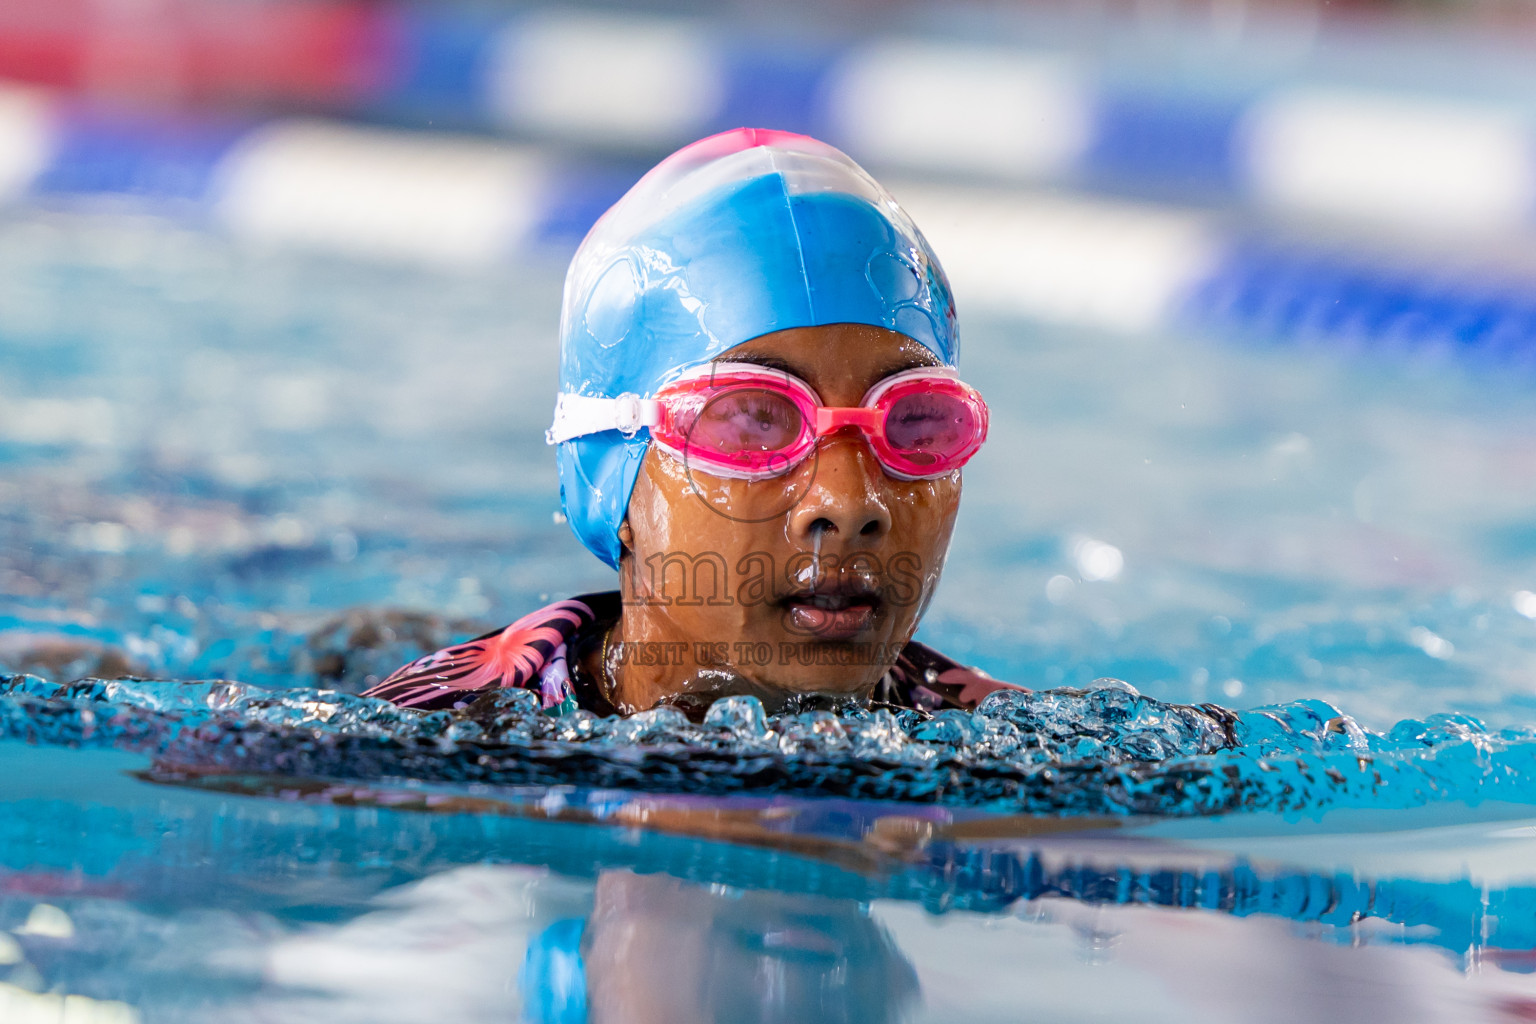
{"type": "Point", "coordinates": [750, 422]}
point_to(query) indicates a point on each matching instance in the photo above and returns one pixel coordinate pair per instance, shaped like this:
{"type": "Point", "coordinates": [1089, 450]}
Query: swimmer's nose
{"type": "Point", "coordinates": [846, 500]}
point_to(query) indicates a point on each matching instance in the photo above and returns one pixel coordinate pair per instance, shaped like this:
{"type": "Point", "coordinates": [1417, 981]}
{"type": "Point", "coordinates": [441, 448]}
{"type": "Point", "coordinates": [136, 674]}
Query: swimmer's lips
{"type": "Point", "coordinates": [839, 615]}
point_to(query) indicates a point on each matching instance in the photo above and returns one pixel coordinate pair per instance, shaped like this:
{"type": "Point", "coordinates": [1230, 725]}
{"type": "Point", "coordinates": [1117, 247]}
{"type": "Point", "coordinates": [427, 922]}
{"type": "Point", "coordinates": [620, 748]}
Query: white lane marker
{"type": "Point", "coordinates": [380, 194]}
{"type": "Point", "coordinates": [959, 108]}
{"type": "Point", "coordinates": [26, 138]}
{"type": "Point", "coordinates": [1418, 163]}
{"type": "Point", "coordinates": [1121, 266]}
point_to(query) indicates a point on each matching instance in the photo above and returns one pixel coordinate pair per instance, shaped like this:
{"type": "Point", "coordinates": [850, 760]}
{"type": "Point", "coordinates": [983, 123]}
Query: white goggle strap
{"type": "Point", "coordinates": [580, 415]}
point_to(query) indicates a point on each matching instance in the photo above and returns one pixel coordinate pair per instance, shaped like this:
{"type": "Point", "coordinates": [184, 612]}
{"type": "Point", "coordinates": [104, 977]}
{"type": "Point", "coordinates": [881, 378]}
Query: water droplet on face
{"type": "Point", "coordinates": [817, 530]}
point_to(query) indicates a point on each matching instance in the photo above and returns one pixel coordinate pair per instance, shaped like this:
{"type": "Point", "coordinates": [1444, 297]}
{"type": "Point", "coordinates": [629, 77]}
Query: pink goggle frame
{"type": "Point", "coordinates": [749, 422]}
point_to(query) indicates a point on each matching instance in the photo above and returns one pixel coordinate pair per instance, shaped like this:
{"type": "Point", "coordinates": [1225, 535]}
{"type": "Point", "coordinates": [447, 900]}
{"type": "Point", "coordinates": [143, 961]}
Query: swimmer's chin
{"type": "Point", "coordinates": [696, 694]}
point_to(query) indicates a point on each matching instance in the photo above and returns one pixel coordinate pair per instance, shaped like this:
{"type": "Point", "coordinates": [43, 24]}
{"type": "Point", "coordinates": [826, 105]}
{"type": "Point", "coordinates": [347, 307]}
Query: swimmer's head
{"type": "Point", "coordinates": [737, 236]}
{"type": "Point", "coordinates": [759, 422]}
{"type": "Point", "coordinates": [655, 949]}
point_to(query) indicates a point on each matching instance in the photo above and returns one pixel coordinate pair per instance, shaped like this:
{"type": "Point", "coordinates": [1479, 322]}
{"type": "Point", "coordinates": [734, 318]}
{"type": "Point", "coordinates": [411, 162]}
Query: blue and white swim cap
{"type": "Point", "coordinates": [736, 236]}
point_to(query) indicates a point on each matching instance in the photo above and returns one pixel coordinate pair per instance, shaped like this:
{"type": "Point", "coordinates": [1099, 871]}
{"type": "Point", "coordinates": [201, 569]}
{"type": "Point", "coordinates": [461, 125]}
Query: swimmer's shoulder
{"type": "Point", "coordinates": [927, 680]}
{"type": "Point", "coordinates": [542, 652]}
{"type": "Point", "coordinates": [536, 653]}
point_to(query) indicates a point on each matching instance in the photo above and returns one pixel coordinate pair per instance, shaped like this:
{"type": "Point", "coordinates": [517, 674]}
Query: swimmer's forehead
{"type": "Point", "coordinates": [769, 352]}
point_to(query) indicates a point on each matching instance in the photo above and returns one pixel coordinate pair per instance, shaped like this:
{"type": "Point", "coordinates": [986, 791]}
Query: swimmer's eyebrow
{"type": "Point", "coordinates": [775, 363]}
{"type": "Point", "coordinates": [767, 362]}
{"type": "Point", "coordinates": [913, 362]}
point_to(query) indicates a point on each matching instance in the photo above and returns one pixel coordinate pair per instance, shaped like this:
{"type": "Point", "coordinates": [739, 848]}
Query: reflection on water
{"type": "Point", "coordinates": [248, 899]}
{"type": "Point", "coordinates": [458, 946]}
{"type": "Point", "coordinates": [654, 948]}
{"type": "Point", "coordinates": [663, 951]}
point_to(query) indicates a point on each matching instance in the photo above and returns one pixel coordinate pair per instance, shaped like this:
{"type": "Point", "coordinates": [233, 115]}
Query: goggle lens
{"type": "Point", "coordinates": [747, 421]}
{"type": "Point", "coordinates": [930, 428]}
{"type": "Point", "coordinates": [743, 421]}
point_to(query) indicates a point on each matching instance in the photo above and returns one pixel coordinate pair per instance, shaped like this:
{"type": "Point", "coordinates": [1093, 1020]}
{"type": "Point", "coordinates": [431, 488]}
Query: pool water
{"type": "Point", "coordinates": [294, 472]}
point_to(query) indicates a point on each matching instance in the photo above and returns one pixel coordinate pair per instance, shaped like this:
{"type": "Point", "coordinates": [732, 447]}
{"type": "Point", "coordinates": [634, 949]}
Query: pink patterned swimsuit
{"type": "Point", "coordinates": [537, 652]}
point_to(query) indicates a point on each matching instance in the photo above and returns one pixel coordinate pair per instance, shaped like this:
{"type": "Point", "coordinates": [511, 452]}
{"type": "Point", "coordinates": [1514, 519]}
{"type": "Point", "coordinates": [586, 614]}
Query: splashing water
{"type": "Point", "coordinates": [1106, 750]}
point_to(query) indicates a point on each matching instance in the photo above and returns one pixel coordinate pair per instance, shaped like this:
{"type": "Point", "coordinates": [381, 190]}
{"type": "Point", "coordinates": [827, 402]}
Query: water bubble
{"type": "Point", "coordinates": [1097, 560]}
{"type": "Point", "coordinates": [950, 728]}
{"type": "Point", "coordinates": [812, 732]}
{"type": "Point", "coordinates": [878, 736]}
{"type": "Point", "coordinates": [656, 725]}
{"type": "Point", "coordinates": [1110, 683]}
{"type": "Point", "coordinates": [1058, 589]}
{"type": "Point", "coordinates": [1104, 750]}
{"type": "Point", "coordinates": [344, 546]}
{"type": "Point", "coordinates": [1430, 643]}
{"type": "Point", "coordinates": [742, 715]}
